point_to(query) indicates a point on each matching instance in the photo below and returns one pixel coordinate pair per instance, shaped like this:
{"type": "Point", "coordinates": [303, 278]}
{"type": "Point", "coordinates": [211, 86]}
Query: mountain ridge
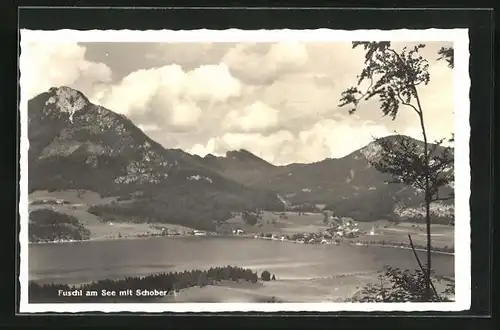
{"type": "Point", "coordinates": [75, 144]}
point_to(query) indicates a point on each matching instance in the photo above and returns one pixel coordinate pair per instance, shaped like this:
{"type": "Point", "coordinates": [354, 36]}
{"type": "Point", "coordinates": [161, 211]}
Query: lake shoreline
{"type": "Point", "coordinates": [350, 243]}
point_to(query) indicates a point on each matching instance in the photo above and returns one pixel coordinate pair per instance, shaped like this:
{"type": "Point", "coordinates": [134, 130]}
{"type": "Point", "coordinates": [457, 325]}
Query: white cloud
{"type": "Point", "coordinates": [148, 127]}
{"type": "Point", "coordinates": [188, 55]}
{"type": "Point", "coordinates": [330, 138]}
{"type": "Point", "coordinates": [268, 147]}
{"type": "Point", "coordinates": [170, 95]}
{"type": "Point", "coordinates": [279, 101]}
{"type": "Point", "coordinates": [325, 139]}
{"type": "Point", "coordinates": [184, 113]}
{"type": "Point", "coordinates": [60, 64]}
{"type": "Point", "coordinates": [300, 95]}
{"type": "Point", "coordinates": [211, 83]}
{"type": "Point", "coordinates": [287, 55]}
{"type": "Point", "coordinates": [255, 117]}
{"type": "Point", "coordinates": [133, 93]}
{"type": "Point", "coordinates": [437, 102]}
{"type": "Point", "coordinates": [203, 150]}
{"type": "Point", "coordinates": [260, 63]}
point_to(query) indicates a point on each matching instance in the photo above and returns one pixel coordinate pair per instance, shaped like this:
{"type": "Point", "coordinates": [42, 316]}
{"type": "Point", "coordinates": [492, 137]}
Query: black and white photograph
{"type": "Point", "coordinates": [239, 170]}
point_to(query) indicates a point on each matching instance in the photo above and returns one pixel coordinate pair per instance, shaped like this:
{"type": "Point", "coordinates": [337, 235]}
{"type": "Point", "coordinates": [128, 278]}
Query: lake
{"type": "Point", "coordinates": [75, 263]}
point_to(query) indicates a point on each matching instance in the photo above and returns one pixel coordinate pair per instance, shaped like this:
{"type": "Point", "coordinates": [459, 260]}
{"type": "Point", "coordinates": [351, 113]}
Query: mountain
{"type": "Point", "coordinates": [241, 166]}
{"type": "Point", "coordinates": [349, 185]}
{"type": "Point", "coordinates": [75, 144]}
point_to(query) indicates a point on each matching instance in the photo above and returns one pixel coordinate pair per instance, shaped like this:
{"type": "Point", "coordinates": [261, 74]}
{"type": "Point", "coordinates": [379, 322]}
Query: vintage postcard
{"type": "Point", "coordinates": [236, 170]}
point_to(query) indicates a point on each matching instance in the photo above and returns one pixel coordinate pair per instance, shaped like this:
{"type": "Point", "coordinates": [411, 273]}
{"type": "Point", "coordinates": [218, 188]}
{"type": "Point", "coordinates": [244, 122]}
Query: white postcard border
{"type": "Point", "coordinates": [462, 164]}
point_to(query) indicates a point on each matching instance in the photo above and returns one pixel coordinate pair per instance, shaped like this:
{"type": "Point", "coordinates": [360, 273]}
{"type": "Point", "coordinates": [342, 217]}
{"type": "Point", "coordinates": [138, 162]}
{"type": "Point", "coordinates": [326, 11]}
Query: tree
{"type": "Point", "coordinates": [397, 285]}
{"type": "Point", "coordinates": [265, 276]}
{"type": "Point", "coordinates": [447, 54]}
{"type": "Point", "coordinates": [249, 218]}
{"type": "Point", "coordinates": [325, 218]}
{"type": "Point", "coordinates": [394, 77]}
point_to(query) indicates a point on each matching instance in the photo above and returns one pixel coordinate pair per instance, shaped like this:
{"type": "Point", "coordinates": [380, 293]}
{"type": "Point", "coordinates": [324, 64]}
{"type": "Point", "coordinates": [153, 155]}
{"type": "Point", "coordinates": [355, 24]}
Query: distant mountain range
{"type": "Point", "coordinates": [75, 144]}
{"type": "Point", "coordinates": [349, 185]}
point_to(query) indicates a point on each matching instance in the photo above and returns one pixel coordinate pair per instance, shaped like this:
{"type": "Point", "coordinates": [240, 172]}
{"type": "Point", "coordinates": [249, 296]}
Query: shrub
{"type": "Point", "coordinates": [265, 276]}
{"type": "Point", "coordinates": [250, 218]}
{"type": "Point", "coordinates": [396, 285]}
{"type": "Point", "coordinates": [48, 225]}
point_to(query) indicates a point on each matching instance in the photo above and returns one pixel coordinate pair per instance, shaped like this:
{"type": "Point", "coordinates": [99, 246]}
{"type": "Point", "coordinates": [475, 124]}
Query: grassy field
{"type": "Point", "coordinates": [293, 223]}
{"type": "Point", "coordinates": [72, 196]}
{"type": "Point", "coordinates": [271, 222]}
{"type": "Point", "coordinates": [442, 235]}
{"type": "Point", "coordinates": [79, 204]}
{"type": "Point", "coordinates": [334, 289]}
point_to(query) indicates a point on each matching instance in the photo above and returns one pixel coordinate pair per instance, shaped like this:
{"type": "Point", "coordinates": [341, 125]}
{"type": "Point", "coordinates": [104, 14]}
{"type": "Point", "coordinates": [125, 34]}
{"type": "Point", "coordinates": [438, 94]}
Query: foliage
{"type": "Point", "coordinates": [405, 160]}
{"type": "Point", "coordinates": [394, 77]}
{"type": "Point", "coordinates": [249, 218]}
{"type": "Point", "coordinates": [265, 276]}
{"type": "Point", "coordinates": [152, 211]}
{"type": "Point", "coordinates": [447, 54]}
{"type": "Point", "coordinates": [396, 285]}
{"type": "Point", "coordinates": [200, 208]}
{"type": "Point", "coordinates": [397, 75]}
{"type": "Point", "coordinates": [441, 213]}
{"type": "Point", "coordinates": [164, 281]}
{"type": "Point", "coordinates": [48, 225]}
{"type": "Point", "coordinates": [326, 218]}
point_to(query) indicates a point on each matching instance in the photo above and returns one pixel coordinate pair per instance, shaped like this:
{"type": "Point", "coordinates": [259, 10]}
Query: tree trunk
{"type": "Point", "coordinates": [427, 198]}
{"type": "Point", "coordinates": [420, 265]}
{"type": "Point", "coordinates": [429, 245]}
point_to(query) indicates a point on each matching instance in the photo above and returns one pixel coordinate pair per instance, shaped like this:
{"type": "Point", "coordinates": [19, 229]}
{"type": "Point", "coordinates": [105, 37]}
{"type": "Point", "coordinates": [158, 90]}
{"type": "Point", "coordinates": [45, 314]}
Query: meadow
{"type": "Point", "coordinates": [383, 230]}
{"type": "Point", "coordinates": [79, 203]}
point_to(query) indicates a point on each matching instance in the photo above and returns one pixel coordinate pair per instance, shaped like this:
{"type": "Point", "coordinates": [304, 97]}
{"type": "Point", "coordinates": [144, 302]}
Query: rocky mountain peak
{"type": "Point", "coordinates": [65, 100]}
{"type": "Point", "coordinates": [372, 151]}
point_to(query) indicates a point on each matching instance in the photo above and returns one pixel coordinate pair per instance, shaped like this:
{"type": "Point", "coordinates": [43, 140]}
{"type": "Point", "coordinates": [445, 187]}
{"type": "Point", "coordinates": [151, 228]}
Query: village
{"type": "Point", "coordinates": [338, 230]}
{"type": "Point", "coordinates": [333, 230]}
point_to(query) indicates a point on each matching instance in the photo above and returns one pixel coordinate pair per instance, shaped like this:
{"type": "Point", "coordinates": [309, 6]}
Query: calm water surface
{"type": "Point", "coordinates": [83, 262]}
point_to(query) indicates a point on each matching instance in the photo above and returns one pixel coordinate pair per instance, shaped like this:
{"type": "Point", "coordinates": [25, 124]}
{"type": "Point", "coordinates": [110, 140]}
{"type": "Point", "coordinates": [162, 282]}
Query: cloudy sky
{"type": "Point", "coordinates": [279, 101]}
